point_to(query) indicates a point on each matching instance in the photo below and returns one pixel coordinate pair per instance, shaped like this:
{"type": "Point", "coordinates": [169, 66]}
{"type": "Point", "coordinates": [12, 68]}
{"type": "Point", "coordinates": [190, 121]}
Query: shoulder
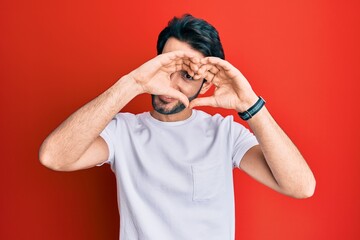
{"type": "Point", "coordinates": [130, 117]}
{"type": "Point", "coordinates": [125, 120]}
{"type": "Point", "coordinates": [126, 115]}
{"type": "Point", "coordinates": [217, 118]}
{"type": "Point", "coordinates": [220, 122]}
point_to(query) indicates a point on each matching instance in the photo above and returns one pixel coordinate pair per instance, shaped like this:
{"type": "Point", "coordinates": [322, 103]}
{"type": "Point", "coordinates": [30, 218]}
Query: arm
{"type": "Point", "coordinates": [76, 143]}
{"type": "Point", "coordinates": [278, 158]}
{"type": "Point", "coordinates": [276, 162]}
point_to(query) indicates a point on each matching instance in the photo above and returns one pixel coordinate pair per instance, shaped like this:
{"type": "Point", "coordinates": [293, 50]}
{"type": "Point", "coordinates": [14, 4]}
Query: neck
{"type": "Point", "coordinates": [183, 115]}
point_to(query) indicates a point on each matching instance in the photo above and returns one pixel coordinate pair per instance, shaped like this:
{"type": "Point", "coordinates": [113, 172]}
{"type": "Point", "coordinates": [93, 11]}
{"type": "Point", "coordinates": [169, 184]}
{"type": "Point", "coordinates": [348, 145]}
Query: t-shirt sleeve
{"type": "Point", "coordinates": [243, 141]}
{"type": "Point", "coordinates": [108, 134]}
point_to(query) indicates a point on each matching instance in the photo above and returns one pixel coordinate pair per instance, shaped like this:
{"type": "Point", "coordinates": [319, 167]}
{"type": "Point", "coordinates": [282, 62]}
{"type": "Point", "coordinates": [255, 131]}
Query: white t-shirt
{"type": "Point", "coordinates": [174, 179]}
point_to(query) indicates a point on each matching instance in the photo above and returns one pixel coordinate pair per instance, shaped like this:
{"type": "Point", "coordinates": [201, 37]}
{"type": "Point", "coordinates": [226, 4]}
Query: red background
{"type": "Point", "coordinates": [303, 57]}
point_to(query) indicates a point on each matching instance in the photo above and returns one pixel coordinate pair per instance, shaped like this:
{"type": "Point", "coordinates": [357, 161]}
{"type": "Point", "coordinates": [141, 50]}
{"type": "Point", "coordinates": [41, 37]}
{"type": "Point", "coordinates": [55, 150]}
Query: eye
{"type": "Point", "coordinates": [186, 76]}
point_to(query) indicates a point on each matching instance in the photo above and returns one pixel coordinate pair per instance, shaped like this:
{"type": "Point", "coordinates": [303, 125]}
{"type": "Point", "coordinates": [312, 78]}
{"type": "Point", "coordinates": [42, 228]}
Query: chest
{"type": "Point", "coordinates": [192, 162]}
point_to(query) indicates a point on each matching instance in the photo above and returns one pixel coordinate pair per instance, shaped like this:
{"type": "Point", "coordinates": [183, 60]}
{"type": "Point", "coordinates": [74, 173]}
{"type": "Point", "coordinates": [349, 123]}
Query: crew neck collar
{"type": "Point", "coordinates": [176, 123]}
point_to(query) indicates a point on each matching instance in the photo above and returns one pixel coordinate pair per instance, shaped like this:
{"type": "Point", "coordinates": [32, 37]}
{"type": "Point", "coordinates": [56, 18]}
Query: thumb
{"type": "Point", "coordinates": [178, 95]}
{"type": "Point", "coordinates": [204, 101]}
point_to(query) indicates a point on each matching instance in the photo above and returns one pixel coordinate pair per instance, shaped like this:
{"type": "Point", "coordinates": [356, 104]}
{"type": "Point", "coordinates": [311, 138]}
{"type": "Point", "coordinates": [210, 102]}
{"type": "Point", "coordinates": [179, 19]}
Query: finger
{"type": "Point", "coordinates": [204, 101]}
{"type": "Point", "coordinates": [208, 68]}
{"type": "Point", "coordinates": [171, 58]}
{"type": "Point", "coordinates": [190, 67]}
{"type": "Point", "coordinates": [184, 67]}
{"type": "Point", "coordinates": [195, 63]}
{"type": "Point", "coordinates": [195, 60]}
{"type": "Point", "coordinates": [178, 61]}
{"type": "Point", "coordinates": [179, 66]}
{"type": "Point", "coordinates": [210, 60]}
{"type": "Point", "coordinates": [209, 76]}
{"type": "Point", "coordinates": [175, 55]}
{"type": "Point", "coordinates": [173, 68]}
{"type": "Point", "coordinates": [178, 95]}
{"type": "Point", "coordinates": [218, 62]}
{"type": "Point", "coordinates": [201, 73]}
{"type": "Point", "coordinates": [194, 67]}
{"type": "Point", "coordinates": [209, 72]}
{"type": "Point", "coordinates": [198, 76]}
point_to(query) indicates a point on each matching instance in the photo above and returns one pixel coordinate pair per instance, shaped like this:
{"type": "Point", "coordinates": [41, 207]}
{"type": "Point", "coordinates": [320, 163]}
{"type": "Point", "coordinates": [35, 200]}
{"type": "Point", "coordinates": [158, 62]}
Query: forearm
{"type": "Point", "coordinates": [70, 140]}
{"type": "Point", "coordinates": [286, 163]}
{"type": "Point", "coordinates": [278, 164]}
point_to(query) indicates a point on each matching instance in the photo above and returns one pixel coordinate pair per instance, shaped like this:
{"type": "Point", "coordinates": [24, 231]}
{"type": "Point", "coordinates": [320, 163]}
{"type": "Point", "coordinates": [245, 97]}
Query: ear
{"type": "Point", "coordinates": [205, 87]}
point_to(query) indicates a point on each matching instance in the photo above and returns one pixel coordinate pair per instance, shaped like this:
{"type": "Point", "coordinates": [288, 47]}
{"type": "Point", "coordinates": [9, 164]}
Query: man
{"type": "Point", "coordinates": [174, 164]}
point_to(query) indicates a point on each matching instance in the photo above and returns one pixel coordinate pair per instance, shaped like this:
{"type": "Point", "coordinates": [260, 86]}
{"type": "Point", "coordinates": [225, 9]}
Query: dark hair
{"type": "Point", "coordinates": [198, 33]}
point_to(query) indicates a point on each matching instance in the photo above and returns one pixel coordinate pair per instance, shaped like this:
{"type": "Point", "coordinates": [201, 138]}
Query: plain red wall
{"type": "Point", "coordinates": [302, 56]}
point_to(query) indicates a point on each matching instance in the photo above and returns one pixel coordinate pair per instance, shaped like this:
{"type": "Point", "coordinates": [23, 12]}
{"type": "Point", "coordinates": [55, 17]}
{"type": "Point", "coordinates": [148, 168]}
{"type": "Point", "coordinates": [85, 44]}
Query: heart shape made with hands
{"type": "Point", "coordinates": [232, 90]}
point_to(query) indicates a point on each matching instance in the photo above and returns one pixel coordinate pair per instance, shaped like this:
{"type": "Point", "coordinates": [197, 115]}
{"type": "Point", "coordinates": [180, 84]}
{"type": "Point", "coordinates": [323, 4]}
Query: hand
{"type": "Point", "coordinates": [153, 77]}
{"type": "Point", "coordinates": [232, 90]}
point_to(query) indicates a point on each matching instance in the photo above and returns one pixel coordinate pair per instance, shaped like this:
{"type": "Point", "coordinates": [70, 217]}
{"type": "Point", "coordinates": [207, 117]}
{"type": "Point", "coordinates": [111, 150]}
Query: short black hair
{"type": "Point", "coordinates": [196, 32]}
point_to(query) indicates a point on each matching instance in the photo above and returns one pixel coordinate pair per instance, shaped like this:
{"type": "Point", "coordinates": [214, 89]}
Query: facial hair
{"type": "Point", "coordinates": [177, 108]}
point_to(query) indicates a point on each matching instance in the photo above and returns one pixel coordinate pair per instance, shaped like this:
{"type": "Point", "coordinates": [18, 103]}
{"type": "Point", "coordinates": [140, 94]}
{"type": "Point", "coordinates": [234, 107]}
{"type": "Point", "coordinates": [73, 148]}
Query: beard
{"type": "Point", "coordinates": [161, 107]}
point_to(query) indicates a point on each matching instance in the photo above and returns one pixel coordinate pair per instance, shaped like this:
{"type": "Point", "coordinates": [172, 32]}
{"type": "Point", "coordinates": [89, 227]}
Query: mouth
{"type": "Point", "coordinates": [166, 99]}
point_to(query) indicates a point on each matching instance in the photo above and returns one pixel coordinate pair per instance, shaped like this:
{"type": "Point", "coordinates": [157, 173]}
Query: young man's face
{"type": "Point", "coordinates": [181, 81]}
